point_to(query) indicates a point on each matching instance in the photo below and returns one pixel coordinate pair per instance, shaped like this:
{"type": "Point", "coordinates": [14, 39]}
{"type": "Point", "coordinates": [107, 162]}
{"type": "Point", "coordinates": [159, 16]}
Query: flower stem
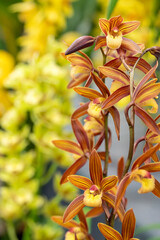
{"type": "Point", "coordinates": [11, 231]}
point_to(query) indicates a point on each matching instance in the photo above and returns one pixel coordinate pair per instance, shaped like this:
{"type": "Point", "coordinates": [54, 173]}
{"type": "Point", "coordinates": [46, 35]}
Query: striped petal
{"type": "Point", "coordinates": [73, 169]}
{"type": "Point", "coordinates": [156, 190]}
{"type": "Point", "coordinates": [68, 146]}
{"type": "Point", "coordinates": [73, 209]}
{"type": "Point", "coordinates": [128, 225]}
{"type": "Point", "coordinates": [128, 27]}
{"type": "Point", "coordinates": [145, 156]}
{"type": "Point", "coordinates": [68, 225]}
{"type": "Point", "coordinates": [82, 110]}
{"type": "Point", "coordinates": [100, 42]}
{"type": "Point", "coordinates": [115, 21]}
{"type": "Point", "coordinates": [115, 63]}
{"type": "Point", "coordinates": [116, 96]}
{"type": "Point", "coordinates": [87, 92]}
{"type": "Point", "coordinates": [94, 212]}
{"type": "Point", "coordinates": [108, 232]}
{"type": "Point", "coordinates": [104, 25]}
{"type": "Point", "coordinates": [95, 168]}
{"type": "Point", "coordinates": [120, 168]}
{"type": "Point", "coordinates": [144, 80]}
{"type": "Point", "coordinates": [80, 181]}
{"type": "Point", "coordinates": [111, 199]}
{"type": "Point", "coordinates": [108, 182]}
{"type": "Point", "coordinates": [151, 167]}
{"type": "Point", "coordinates": [145, 117]}
{"type": "Point", "coordinates": [100, 84]}
{"type": "Point", "coordinates": [128, 44]}
{"type": "Point", "coordinates": [114, 74]}
{"type": "Point", "coordinates": [116, 118]}
{"type": "Point", "coordinates": [122, 189]}
{"type": "Point", "coordinates": [81, 135]}
{"type": "Point", "coordinates": [148, 92]}
{"type": "Point", "coordinates": [142, 65]}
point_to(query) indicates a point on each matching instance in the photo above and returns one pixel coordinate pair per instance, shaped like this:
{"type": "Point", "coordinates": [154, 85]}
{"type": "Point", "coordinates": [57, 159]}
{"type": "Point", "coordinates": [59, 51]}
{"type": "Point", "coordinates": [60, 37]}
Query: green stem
{"type": "Point", "coordinates": [105, 170]}
{"type": "Point", "coordinates": [111, 219]}
{"type": "Point", "coordinates": [49, 174]}
{"type": "Point", "coordinates": [11, 231]}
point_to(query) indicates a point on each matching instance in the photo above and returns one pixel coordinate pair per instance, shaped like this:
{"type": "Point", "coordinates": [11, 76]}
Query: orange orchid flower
{"type": "Point", "coordinates": [77, 231]}
{"type": "Point", "coordinates": [114, 29]}
{"type": "Point", "coordinates": [81, 69]}
{"type": "Point", "coordinates": [142, 175]}
{"type": "Point", "coordinates": [103, 100]}
{"type": "Point", "coordinates": [82, 149]}
{"type": "Point", "coordinates": [95, 189]}
{"type": "Point", "coordinates": [128, 227]}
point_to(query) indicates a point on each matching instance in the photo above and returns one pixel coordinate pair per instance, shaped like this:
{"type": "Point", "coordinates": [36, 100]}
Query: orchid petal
{"type": "Point", "coordinates": [128, 27]}
{"type": "Point", "coordinates": [94, 212]}
{"type": "Point", "coordinates": [87, 92]}
{"type": "Point", "coordinates": [141, 65]}
{"type": "Point", "coordinates": [115, 63]}
{"type": "Point", "coordinates": [156, 190]}
{"type": "Point", "coordinates": [82, 110]}
{"type": "Point", "coordinates": [128, 225]}
{"type": "Point", "coordinates": [95, 168]}
{"type": "Point", "coordinates": [104, 25]}
{"type": "Point", "coordinates": [68, 225]}
{"type": "Point", "coordinates": [116, 118]}
{"type": "Point", "coordinates": [144, 80]}
{"type": "Point", "coordinates": [108, 232]}
{"type": "Point", "coordinates": [145, 156]}
{"type": "Point", "coordinates": [114, 74]}
{"type": "Point", "coordinates": [116, 97]}
{"type": "Point", "coordinates": [126, 180]}
{"type": "Point", "coordinates": [80, 181]}
{"type": "Point", "coordinates": [151, 167]}
{"type": "Point", "coordinates": [73, 168]}
{"type": "Point", "coordinates": [120, 168]}
{"type": "Point", "coordinates": [68, 146]}
{"type": "Point", "coordinates": [130, 45]}
{"type": "Point", "coordinates": [108, 182]}
{"type": "Point", "coordinates": [83, 221]}
{"type": "Point", "coordinates": [81, 135]}
{"type": "Point", "coordinates": [111, 199]}
{"type": "Point", "coordinates": [100, 42]}
{"type": "Point", "coordinates": [145, 117]}
{"type": "Point", "coordinates": [115, 21]}
{"type": "Point", "coordinates": [100, 84]}
{"type": "Point", "coordinates": [74, 207]}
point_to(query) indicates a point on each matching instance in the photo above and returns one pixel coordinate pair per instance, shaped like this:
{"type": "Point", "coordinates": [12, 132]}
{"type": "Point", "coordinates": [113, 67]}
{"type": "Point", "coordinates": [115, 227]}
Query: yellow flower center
{"type": "Point", "coordinates": [114, 40]}
{"type": "Point", "coordinates": [95, 109]}
{"type": "Point", "coordinates": [145, 178]}
{"type": "Point", "coordinates": [93, 197]}
{"type": "Point", "coordinates": [75, 233]}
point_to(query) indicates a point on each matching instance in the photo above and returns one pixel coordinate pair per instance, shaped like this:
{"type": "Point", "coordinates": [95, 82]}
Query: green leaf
{"type": "Point", "coordinates": [111, 6]}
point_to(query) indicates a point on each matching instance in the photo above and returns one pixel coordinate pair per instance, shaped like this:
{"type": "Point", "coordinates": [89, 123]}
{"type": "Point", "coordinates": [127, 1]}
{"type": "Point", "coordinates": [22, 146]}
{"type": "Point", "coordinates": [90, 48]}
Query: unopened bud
{"type": "Point", "coordinates": [80, 43]}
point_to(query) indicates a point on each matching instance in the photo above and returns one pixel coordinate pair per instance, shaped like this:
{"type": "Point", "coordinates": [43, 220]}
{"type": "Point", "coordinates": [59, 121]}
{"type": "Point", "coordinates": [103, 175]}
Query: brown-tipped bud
{"type": "Point", "coordinates": [80, 43]}
{"type": "Point", "coordinates": [155, 51]}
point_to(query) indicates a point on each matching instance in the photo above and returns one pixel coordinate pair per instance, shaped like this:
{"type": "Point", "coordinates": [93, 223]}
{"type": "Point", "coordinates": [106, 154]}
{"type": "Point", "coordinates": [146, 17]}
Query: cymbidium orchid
{"type": "Point", "coordinates": [104, 193]}
{"type": "Point", "coordinates": [76, 231]}
{"type": "Point", "coordinates": [142, 175]}
{"type": "Point", "coordinates": [128, 227]}
{"type": "Point", "coordinates": [114, 29]}
{"type": "Point", "coordinates": [95, 189]}
{"type": "Point", "coordinates": [81, 69]}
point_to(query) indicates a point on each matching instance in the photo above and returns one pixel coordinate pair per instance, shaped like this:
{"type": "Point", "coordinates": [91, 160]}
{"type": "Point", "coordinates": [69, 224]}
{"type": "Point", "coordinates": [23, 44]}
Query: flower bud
{"type": "Point", "coordinates": [80, 43]}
